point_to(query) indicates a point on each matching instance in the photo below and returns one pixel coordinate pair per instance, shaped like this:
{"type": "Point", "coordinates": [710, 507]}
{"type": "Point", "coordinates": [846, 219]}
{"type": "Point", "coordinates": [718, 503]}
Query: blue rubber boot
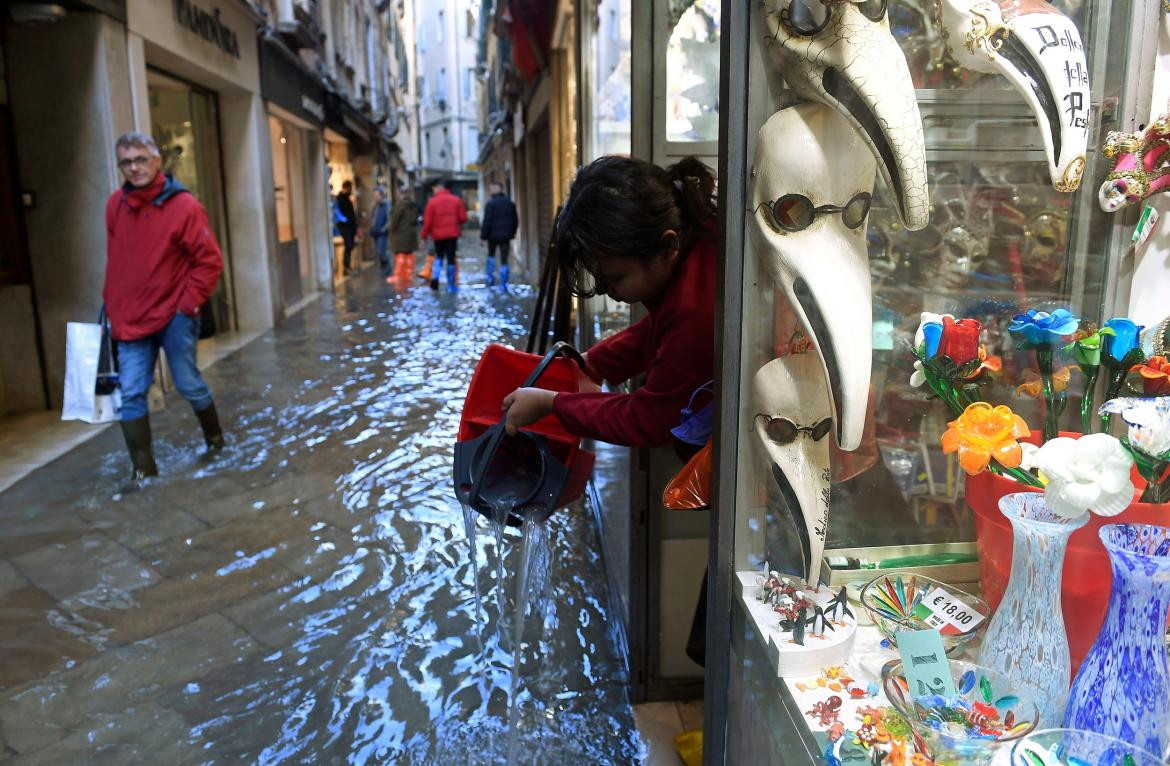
{"type": "Point", "coordinates": [503, 279]}
{"type": "Point", "coordinates": [491, 271]}
{"type": "Point", "coordinates": [451, 278]}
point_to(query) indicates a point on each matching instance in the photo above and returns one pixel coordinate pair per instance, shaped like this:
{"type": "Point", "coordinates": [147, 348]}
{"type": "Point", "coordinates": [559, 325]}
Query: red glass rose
{"type": "Point", "coordinates": [960, 339]}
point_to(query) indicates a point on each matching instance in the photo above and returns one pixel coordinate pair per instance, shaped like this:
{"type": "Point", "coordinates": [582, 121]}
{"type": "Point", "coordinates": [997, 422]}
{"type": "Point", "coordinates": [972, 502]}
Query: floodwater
{"type": "Point", "coordinates": [311, 597]}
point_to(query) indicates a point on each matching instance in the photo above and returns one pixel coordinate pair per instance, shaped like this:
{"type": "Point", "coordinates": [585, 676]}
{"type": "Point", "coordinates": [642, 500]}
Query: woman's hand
{"type": "Point", "coordinates": [525, 406]}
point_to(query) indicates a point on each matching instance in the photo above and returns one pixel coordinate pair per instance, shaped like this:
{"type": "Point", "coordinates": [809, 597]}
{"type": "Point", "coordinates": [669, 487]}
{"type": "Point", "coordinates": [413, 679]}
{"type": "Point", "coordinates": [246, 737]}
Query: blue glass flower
{"type": "Point", "coordinates": [932, 333]}
{"type": "Point", "coordinates": [1124, 338]}
{"type": "Point", "coordinates": [1039, 328]}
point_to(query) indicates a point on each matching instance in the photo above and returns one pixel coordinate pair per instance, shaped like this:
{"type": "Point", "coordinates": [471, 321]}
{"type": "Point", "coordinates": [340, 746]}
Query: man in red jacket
{"type": "Point", "coordinates": [443, 220]}
{"type": "Point", "coordinates": [162, 263]}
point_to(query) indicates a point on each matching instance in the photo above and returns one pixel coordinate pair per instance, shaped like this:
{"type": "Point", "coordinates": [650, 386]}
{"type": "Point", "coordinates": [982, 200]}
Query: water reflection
{"type": "Point", "coordinates": [312, 596]}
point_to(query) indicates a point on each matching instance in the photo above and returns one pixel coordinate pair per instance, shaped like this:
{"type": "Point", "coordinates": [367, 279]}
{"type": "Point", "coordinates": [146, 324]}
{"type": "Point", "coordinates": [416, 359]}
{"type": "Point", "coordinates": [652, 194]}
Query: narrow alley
{"type": "Point", "coordinates": [308, 597]}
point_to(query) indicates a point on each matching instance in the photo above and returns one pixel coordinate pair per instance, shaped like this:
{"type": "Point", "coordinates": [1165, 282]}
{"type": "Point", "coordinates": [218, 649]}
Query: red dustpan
{"type": "Point", "coordinates": [542, 467]}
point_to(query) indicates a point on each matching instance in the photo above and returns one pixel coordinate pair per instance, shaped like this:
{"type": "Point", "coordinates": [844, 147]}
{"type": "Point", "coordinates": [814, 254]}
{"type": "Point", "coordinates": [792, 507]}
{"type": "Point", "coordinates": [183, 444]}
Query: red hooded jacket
{"type": "Point", "coordinates": [444, 216]}
{"type": "Point", "coordinates": [674, 344]}
{"type": "Point", "coordinates": [161, 257]}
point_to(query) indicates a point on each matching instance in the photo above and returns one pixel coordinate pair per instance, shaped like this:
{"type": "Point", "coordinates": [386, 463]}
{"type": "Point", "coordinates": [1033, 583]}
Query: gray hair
{"type": "Point", "coordinates": [141, 140]}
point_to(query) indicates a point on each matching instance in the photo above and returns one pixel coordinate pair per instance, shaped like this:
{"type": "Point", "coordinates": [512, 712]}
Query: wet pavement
{"type": "Point", "coordinates": [307, 598]}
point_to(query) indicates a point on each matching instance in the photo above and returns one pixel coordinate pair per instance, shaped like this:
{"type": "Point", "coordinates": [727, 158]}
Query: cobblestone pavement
{"type": "Point", "coordinates": [308, 597]}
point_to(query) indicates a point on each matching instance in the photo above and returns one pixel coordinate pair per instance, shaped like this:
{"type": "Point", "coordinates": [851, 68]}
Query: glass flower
{"type": "Point", "coordinates": [1123, 339]}
{"type": "Point", "coordinates": [929, 333]}
{"type": "Point", "coordinates": [984, 432]}
{"type": "Point", "coordinates": [1085, 348]}
{"type": "Point", "coordinates": [1154, 375]}
{"type": "Point", "coordinates": [1039, 328]}
{"type": "Point", "coordinates": [987, 364]}
{"type": "Point", "coordinates": [1033, 384]}
{"type": "Point", "coordinates": [960, 339]}
{"type": "Point", "coordinates": [1148, 422]}
{"type": "Point", "coordinates": [1091, 473]}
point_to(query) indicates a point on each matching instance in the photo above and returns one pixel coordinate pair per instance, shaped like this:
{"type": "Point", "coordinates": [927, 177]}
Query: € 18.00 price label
{"type": "Point", "coordinates": [947, 614]}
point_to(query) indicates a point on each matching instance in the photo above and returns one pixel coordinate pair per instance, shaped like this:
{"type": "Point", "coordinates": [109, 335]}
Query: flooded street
{"type": "Point", "coordinates": [309, 597]}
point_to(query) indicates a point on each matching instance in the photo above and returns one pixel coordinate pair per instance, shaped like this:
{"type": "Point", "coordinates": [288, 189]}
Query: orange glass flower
{"type": "Point", "coordinates": [984, 432]}
{"type": "Point", "coordinates": [1155, 375]}
{"type": "Point", "coordinates": [1033, 384]}
{"type": "Point", "coordinates": [987, 364]}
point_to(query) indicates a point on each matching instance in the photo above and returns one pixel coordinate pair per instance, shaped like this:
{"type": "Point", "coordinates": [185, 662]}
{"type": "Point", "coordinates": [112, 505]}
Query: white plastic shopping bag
{"type": "Point", "coordinates": [83, 352]}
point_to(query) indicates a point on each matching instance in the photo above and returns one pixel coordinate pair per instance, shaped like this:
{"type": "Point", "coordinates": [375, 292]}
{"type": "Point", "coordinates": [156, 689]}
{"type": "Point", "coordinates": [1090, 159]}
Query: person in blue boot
{"type": "Point", "coordinates": [443, 220]}
{"type": "Point", "coordinates": [499, 226]}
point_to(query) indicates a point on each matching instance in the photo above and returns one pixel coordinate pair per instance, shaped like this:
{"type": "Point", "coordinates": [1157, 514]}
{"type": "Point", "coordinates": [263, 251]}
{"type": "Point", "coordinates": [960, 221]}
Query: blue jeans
{"type": "Point", "coordinates": [381, 242]}
{"type": "Point", "coordinates": [136, 360]}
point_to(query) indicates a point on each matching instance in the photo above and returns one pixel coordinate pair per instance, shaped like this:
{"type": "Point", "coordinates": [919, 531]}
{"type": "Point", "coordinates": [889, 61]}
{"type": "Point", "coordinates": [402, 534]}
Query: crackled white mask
{"type": "Point", "coordinates": [809, 160]}
{"type": "Point", "coordinates": [841, 53]}
{"type": "Point", "coordinates": [1039, 50]}
{"type": "Point", "coordinates": [792, 425]}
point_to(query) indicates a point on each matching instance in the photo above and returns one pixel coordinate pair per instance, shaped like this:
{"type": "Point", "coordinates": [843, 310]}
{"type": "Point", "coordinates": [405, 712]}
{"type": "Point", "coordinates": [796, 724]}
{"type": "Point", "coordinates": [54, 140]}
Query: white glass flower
{"type": "Point", "coordinates": [919, 375]}
{"type": "Point", "coordinates": [1148, 421]}
{"type": "Point", "coordinates": [1090, 473]}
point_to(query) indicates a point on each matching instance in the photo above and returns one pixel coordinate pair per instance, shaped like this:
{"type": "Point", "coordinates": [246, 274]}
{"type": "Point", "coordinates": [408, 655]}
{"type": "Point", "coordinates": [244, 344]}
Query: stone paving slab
{"type": "Point", "coordinates": [144, 734]}
{"type": "Point", "coordinates": [10, 579]}
{"type": "Point", "coordinates": [71, 568]}
{"type": "Point", "coordinates": [31, 645]}
{"type": "Point", "coordinates": [41, 713]}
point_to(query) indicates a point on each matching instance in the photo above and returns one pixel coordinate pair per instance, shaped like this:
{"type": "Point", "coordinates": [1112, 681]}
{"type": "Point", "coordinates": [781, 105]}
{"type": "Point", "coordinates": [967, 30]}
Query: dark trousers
{"type": "Point", "coordinates": [348, 236]}
{"type": "Point", "coordinates": [445, 250]}
{"type": "Point", "coordinates": [501, 245]}
{"type": "Point", "coordinates": [381, 242]}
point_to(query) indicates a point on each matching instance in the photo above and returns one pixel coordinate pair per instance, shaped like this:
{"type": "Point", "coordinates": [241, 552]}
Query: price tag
{"type": "Point", "coordinates": [948, 614]}
{"type": "Point", "coordinates": [1145, 225]}
{"type": "Point", "coordinates": [925, 663]}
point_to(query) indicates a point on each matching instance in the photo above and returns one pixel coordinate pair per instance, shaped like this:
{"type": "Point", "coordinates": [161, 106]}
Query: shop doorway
{"type": "Point", "coordinates": [288, 180]}
{"type": "Point", "coordinates": [184, 120]}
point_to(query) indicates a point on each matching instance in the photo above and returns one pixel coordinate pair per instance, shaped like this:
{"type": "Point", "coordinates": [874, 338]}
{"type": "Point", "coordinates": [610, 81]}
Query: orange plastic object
{"type": "Point", "coordinates": [1087, 579]}
{"type": "Point", "coordinates": [501, 370]}
{"type": "Point", "coordinates": [690, 489]}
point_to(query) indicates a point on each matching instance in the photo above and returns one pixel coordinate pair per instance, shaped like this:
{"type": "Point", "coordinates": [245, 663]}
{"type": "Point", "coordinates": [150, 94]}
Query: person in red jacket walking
{"type": "Point", "coordinates": [443, 220]}
{"type": "Point", "coordinates": [162, 263]}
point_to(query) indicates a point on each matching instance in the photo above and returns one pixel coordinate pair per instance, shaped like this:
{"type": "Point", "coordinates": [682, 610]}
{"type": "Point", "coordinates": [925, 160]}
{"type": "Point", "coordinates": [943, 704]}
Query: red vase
{"type": "Point", "coordinates": [1087, 579]}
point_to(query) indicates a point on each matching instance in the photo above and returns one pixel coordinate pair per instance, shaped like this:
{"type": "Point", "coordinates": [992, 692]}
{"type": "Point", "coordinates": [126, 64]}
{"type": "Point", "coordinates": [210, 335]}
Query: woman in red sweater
{"type": "Point", "coordinates": [639, 234]}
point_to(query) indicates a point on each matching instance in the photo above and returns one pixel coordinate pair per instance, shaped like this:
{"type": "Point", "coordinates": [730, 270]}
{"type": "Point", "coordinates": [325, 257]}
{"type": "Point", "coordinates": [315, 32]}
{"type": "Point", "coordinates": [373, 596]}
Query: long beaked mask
{"type": "Point", "coordinates": [790, 389]}
{"type": "Point", "coordinates": [812, 151]}
{"type": "Point", "coordinates": [1141, 165]}
{"type": "Point", "coordinates": [1039, 50]}
{"type": "Point", "coordinates": [842, 54]}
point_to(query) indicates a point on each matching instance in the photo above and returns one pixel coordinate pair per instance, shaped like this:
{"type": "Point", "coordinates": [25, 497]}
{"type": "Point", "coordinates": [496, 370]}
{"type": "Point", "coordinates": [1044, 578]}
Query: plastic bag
{"type": "Point", "coordinates": [690, 490]}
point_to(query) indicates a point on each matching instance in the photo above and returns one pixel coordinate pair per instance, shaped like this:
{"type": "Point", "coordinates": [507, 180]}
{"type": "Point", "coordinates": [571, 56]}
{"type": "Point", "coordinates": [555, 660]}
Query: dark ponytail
{"type": "Point", "coordinates": [619, 207]}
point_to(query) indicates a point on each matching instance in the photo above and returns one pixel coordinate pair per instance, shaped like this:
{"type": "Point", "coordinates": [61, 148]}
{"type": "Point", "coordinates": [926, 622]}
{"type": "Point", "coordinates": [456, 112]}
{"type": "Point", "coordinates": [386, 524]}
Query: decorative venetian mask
{"type": "Point", "coordinates": [1039, 50]}
{"type": "Point", "coordinates": [809, 196]}
{"type": "Point", "coordinates": [1141, 165]}
{"type": "Point", "coordinates": [792, 424]}
{"type": "Point", "coordinates": [841, 53]}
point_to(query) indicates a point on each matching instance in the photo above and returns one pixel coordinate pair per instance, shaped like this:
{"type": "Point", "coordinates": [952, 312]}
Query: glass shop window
{"type": "Point", "coordinates": [692, 71]}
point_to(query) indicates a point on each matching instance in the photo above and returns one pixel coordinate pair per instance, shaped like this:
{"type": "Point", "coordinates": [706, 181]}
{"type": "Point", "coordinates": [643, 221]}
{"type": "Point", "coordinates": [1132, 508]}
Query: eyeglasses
{"type": "Point", "coordinates": [796, 212]}
{"type": "Point", "coordinates": [130, 162]}
{"type": "Point", "coordinates": [784, 431]}
{"type": "Point", "coordinates": [808, 17]}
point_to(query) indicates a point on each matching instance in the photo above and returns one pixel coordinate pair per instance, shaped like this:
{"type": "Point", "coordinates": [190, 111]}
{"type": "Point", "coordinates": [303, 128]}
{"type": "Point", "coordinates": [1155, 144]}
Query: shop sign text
{"type": "Point", "coordinates": [207, 25]}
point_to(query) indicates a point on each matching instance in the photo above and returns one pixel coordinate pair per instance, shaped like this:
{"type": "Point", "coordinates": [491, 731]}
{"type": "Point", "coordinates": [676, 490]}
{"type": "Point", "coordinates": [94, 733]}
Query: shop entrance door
{"type": "Point", "coordinates": [184, 121]}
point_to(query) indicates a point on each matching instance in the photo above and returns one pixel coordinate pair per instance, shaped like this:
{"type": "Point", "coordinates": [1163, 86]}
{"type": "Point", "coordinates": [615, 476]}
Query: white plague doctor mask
{"type": "Point", "coordinates": [792, 425]}
{"type": "Point", "coordinates": [809, 201]}
{"type": "Point", "coordinates": [841, 53]}
{"type": "Point", "coordinates": [1039, 50]}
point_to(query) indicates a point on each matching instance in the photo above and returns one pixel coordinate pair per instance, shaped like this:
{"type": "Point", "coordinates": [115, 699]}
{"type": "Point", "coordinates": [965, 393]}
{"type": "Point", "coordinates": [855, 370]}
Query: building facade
{"type": "Point", "coordinates": [262, 109]}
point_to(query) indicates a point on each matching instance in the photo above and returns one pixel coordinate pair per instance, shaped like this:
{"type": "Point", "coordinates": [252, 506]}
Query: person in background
{"type": "Point", "coordinates": [380, 230]}
{"type": "Point", "coordinates": [347, 223]}
{"type": "Point", "coordinates": [443, 220]}
{"type": "Point", "coordinates": [162, 264]}
{"type": "Point", "coordinates": [499, 227]}
{"type": "Point", "coordinates": [404, 235]}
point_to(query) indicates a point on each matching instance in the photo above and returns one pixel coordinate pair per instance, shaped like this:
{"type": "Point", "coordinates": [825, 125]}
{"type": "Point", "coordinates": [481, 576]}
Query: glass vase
{"type": "Point", "coordinates": [1026, 640]}
{"type": "Point", "coordinates": [1123, 687]}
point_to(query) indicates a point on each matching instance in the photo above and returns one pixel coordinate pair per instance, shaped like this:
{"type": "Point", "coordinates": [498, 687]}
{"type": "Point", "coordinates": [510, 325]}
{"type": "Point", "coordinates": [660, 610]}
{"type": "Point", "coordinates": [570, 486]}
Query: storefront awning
{"type": "Point", "coordinates": [286, 82]}
{"type": "Point", "coordinates": [528, 23]}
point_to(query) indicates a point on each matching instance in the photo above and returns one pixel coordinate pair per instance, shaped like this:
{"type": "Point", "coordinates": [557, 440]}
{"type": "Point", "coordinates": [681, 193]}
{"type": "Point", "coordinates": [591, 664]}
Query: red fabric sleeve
{"type": "Point", "coordinates": [206, 259]}
{"type": "Point", "coordinates": [428, 214]}
{"type": "Point", "coordinates": [624, 354]}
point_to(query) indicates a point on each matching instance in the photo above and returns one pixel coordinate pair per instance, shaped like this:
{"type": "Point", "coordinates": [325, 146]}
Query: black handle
{"type": "Point", "coordinates": [498, 431]}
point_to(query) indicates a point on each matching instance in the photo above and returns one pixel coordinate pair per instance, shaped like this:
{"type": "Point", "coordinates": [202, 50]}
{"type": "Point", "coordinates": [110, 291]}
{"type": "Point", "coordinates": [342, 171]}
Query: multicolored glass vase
{"type": "Point", "coordinates": [1123, 687]}
{"type": "Point", "coordinates": [1026, 640]}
